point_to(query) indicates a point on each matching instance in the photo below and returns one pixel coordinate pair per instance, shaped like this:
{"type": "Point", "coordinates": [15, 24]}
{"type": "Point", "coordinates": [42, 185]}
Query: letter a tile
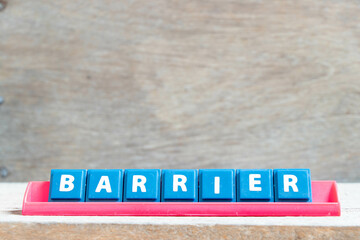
{"type": "Point", "coordinates": [104, 185]}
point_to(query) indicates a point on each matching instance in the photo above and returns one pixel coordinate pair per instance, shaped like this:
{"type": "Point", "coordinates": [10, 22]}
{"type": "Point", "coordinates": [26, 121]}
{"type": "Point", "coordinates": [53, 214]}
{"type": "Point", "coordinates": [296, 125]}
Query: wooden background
{"type": "Point", "coordinates": [179, 84]}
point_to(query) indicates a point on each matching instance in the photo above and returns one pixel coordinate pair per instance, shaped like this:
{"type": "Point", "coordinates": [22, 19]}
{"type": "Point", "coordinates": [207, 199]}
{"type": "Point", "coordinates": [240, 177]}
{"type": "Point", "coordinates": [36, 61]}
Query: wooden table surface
{"type": "Point", "coordinates": [15, 226]}
{"type": "Point", "coordinates": [179, 84]}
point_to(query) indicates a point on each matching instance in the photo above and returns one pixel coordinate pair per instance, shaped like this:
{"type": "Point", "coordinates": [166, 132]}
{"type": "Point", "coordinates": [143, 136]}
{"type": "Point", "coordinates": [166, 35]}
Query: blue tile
{"type": "Point", "coordinates": [255, 185]}
{"type": "Point", "coordinates": [217, 185]}
{"type": "Point", "coordinates": [292, 185]}
{"type": "Point", "coordinates": [67, 185]}
{"type": "Point", "coordinates": [179, 185]}
{"type": "Point", "coordinates": [142, 185]}
{"type": "Point", "coordinates": [104, 185]}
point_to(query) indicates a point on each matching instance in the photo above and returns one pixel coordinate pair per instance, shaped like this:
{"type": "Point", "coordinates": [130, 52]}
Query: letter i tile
{"type": "Point", "coordinates": [217, 185]}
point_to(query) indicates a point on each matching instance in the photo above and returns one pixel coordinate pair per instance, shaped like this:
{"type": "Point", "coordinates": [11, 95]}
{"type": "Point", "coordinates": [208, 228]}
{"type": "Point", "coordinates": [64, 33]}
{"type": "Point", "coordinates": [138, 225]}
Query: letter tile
{"type": "Point", "coordinates": [142, 185]}
{"type": "Point", "coordinates": [179, 185]}
{"type": "Point", "coordinates": [67, 185]}
{"type": "Point", "coordinates": [217, 185]}
{"type": "Point", "coordinates": [255, 185]}
{"type": "Point", "coordinates": [104, 185]}
{"type": "Point", "coordinates": [292, 185]}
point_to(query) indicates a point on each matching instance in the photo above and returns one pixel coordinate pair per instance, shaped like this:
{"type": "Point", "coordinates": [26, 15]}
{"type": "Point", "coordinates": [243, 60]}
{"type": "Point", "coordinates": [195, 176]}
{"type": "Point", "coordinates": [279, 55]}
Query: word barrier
{"type": "Point", "coordinates": [178, 185]}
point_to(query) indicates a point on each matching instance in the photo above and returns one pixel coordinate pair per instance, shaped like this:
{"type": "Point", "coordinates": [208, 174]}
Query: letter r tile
{"type": "Point", "coordinates": [67, 185]}
{"type": "Point", "coordinates": [292, 185]}
{"type": "Point", "coordinates": [179, 185]}
{"type": "Point", "coordinates": [142, 185]}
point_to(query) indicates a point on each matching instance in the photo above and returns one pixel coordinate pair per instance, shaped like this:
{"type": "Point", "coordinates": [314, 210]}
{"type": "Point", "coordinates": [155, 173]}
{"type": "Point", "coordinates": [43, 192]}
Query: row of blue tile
{"type": "Point", "coordinates": [204, 185]}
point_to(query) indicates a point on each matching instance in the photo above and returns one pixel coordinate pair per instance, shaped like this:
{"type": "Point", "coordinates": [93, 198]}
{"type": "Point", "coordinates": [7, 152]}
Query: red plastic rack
{"type": "Point", "coordinates": [324, 194]}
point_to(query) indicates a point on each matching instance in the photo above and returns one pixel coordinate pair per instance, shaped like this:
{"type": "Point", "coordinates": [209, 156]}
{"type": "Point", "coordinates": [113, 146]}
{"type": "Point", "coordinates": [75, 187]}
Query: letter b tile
{"type": "Point", "coordinates": [255, 185]}
{"type": "Point", "coordinates": [179, 186]}
{"type": "Point", "coordinates": [67, 185]}
{"type": "Point", "coordinates": [142, 185]}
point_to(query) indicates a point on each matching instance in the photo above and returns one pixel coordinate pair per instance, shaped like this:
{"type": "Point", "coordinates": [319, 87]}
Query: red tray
{"type": "Point", "coordinates": [324, 193]}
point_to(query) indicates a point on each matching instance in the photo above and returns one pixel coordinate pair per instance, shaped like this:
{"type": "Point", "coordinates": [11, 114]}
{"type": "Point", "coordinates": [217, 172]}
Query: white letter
{"type": "Point", "coordinates": [140, 184]}
{"type": "Point", "coordinates": [177, 184]}
{"type": "Point", "coordinates": [292, 183]}
{"type": "Point", "coordinates": [66, 183]}
{"type": "Point", "coordinates": [252, 182]}
{"type": "Point", "coordinates": [217, 185]}
{"type": "Point", "coordinates": [104, 183]}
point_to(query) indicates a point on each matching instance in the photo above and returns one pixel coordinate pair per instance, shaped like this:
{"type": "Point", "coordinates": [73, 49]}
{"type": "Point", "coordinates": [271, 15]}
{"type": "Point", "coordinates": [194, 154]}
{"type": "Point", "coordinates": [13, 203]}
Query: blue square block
{"type": "Point", "coordinates": [179, 185]}
{"type": "Point", "coordinates": [142, 185]}
{"type": "Point", "coordinates": [67, 185]}
{"type": "Point", "coordinates": [255, 185]}
{"type": "Point", "coordinates": [292, 185]}
{"type": "Point", "coordinates": [217, 185]}
{"type": "Point", "coordinates": [104, 185]}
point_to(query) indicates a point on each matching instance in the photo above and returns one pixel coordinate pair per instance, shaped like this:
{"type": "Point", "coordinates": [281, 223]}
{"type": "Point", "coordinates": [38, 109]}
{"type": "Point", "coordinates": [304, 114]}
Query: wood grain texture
{"type": "Point", "coordinates": [180, 84]}
{"type": "Point", "coordinates": [97, 231]}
